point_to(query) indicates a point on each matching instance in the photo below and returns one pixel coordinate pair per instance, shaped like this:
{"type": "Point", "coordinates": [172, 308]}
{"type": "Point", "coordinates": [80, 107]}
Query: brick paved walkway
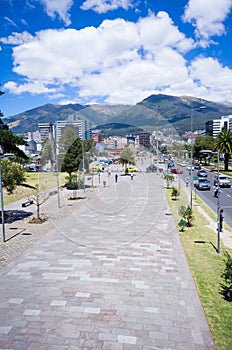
{"type": "Point", "coordinates": [109, 274]}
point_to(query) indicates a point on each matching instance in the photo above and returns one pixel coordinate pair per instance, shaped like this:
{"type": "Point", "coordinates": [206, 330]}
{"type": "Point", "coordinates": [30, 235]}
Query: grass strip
{"type": "Point", "coordinates": [45, 180]}
{"type": "Point", "coordinates": [199, 244]}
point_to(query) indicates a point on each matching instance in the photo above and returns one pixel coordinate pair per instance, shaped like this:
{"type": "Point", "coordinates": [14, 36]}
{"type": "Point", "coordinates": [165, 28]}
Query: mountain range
{"type": "Point", "coordinates": [156, 111]}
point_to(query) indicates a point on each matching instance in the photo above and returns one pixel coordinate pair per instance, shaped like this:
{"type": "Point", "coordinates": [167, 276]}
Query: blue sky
{"type": "Point", "coordinates": [113, 51]}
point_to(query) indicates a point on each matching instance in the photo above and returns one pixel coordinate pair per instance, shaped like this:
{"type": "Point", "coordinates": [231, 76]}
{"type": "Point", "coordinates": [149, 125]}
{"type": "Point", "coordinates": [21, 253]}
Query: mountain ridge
{"type": "Point", "coordinates": [169, 110]}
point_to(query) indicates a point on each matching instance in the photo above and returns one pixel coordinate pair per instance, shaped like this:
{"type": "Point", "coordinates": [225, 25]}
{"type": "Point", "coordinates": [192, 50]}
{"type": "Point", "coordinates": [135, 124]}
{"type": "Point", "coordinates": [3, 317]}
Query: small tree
{"type": "Point", "coordinates": [175, 193]}
{"type": "Point", "coordinates": [227, 277]}
{"type": "Point", "coordinates": [169, 179]}
{"type": "Point", "coordinates": [186, 213]}
{"type": "Point", "coordinates": [39, 198]}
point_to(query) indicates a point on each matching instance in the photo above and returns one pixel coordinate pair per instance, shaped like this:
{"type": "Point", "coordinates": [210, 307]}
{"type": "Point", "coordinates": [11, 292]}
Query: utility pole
{"type": "Point", "coordinates": [157, 143]}
{"type": "Point", "coordinates": [218, 205]}
{"type": "Point", "coordinates": [2, 202]}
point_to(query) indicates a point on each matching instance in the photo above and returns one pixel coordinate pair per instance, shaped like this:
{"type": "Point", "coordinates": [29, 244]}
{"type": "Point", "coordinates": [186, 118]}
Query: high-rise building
{"type": "Point", "coordinates": [46, 131]}
{"type": "Point", "coordinates": [144, 139]}
{"type": "Point", "coordinates": [76, 126]}
{"type": "Point", "coordinates": [215, 126]}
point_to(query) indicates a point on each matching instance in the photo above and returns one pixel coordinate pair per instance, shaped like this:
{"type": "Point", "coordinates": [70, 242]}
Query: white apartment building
{"type": "Point", "coordinates": [215, 126]}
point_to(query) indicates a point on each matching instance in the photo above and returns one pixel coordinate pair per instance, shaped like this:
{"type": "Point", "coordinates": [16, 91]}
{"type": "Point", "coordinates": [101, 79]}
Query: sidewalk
{"type": "Point", "coordinates": [226, 236]}
{"type": "Point", "coordinates": [109, 273]}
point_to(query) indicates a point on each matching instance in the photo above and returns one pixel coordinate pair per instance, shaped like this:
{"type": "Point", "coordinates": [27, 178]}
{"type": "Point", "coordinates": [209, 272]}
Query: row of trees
{"type": "Point", "coordinates": [223, 144]}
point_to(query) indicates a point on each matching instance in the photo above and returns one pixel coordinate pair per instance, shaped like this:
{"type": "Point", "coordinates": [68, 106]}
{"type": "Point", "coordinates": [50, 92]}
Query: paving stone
{"type": "Point", "coordinates": [106, 273]}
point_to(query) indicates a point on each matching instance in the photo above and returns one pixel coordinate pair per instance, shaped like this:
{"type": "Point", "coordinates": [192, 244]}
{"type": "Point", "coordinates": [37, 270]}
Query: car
{"type": "Point", "coordinates": [95, 169]}
{"type": "Point", "coordinates": [190, 167]}
{"type": "Point", "coordinates": [197, 166]}
{"type": "Point", "coordinates": [151, 168]}
{"type": "Point", "coordinates": [131, 170]}
{"type": "Point", "coordinates": [202, 173]}
{"type": "Point", "coordinates": [222, 180]}
{"type": "Point", "coordinates": [203, 184]}
{"type": "Point", "coordinates": [176, 171]}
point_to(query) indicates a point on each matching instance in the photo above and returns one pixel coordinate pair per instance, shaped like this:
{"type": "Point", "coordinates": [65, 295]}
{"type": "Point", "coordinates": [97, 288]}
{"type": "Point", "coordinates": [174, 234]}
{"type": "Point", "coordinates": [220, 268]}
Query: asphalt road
{"type": "Point", "coordinates": [210, 200]}
{"type": "Point", "coordinates": [206, 196]}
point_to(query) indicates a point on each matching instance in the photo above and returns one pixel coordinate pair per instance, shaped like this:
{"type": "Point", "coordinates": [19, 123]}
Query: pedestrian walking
{"type": "Point", "coordinates": [221, 219]}
{"type": "Point", "coordinates": [116, 178]}
{"type": "Point", "coordinates": [186, 181]}
{"type": "Point", "coordinates": [99, 177]}
{"type": "Point", "coordinates": [215, 190]}
{"type": "Point", "coordinates": [132, 176]}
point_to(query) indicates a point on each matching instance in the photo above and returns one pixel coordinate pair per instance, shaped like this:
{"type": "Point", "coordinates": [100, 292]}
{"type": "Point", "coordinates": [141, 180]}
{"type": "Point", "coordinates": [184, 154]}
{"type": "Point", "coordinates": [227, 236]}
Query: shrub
{"type": "Point", "coordinates": [226, 287]}
{"type": "Point", "coordinates": [187, 214]}
{"type": "Point", "coordinates": [175, 192]}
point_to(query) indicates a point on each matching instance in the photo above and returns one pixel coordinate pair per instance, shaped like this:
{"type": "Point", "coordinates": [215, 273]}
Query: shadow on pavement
{"type": "Point", "coordinates": [16, 215]}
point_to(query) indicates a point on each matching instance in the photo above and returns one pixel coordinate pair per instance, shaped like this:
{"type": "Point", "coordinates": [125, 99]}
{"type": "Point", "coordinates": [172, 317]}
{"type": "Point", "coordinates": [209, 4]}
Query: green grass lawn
{"type": "Point", "coordinates": [45, 180]}
{"type": "Point", "coordinates": [199, 243]}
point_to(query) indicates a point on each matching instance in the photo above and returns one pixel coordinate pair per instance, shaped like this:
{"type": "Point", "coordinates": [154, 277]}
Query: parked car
{"type": "Point", "coordinates": [202, 173]}
{"type": "Point", "coordinates": [222, 180]}
{"type": "Point", "coordinates": [203, 184]}
{"type": "Point", "coordinates": [176, 171]}
{"type": "Point", "coordinates": [197, 166]}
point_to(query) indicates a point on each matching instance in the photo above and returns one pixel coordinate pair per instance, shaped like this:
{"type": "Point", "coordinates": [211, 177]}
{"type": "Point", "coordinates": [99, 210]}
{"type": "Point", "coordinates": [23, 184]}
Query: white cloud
{"type": "Point", "coordinates": [17, 38]}
{"type": "Point", "coordinates": [207, 16]}
{"type": "Point", "coordinates": [103, 6]}
{"type": "Point", "coordinates": [211, 75]}
{"type": "Point", "coordinates": [118, 62]}
{"type": "Point", "coordinates": [34, 88]}
{"type": "Point", "coordinates": [58, 7]}
{"type": "Point", "coordinates": [10, 21]}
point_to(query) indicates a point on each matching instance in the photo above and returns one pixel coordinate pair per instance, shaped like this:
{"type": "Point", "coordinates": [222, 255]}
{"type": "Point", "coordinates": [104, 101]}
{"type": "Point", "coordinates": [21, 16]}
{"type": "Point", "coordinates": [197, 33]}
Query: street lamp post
{"type": "Point", "coordinates": [2, 202]}
{"type": "Point", "coordinates": [191, 158]}
{"type": "Point", "coordinates": [157, 142]}
{"type": "Point", "coordinates": [191, 162]}
{"type": "Point", "coordinates": [218, 205]}
{"type": "Point", "coordinates": [83, 161]}
{"type": "Point", "coordinates": [57, 167]}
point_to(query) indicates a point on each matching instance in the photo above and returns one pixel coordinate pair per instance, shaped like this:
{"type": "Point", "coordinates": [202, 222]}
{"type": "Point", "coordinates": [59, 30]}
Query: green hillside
{"type": "Point", "coordinates": [166, 111]}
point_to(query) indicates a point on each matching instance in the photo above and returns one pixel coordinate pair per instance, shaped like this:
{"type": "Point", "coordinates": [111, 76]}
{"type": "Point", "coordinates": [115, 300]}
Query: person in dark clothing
{"type": "Point", "coordinates": [116, 178]}
{"type": "Point", "coordinates": [221, 219]}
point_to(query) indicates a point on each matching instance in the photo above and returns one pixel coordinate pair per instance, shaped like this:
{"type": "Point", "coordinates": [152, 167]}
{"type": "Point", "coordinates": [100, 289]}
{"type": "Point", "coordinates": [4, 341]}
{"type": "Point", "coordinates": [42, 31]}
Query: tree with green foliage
{"type": "Point", "coordinates": [202, 143]}
{"type": "Point", "coordinates": [223, 144]}
{"type": "Point", "coordinates": [13, 175]}
{"type": "Point", "coordinates": [66, 140]}
{"type": "Point", "coordinates": [127, 157]}
{"type": "Point", "coordinates": [73, 158]}
{"type": "Point", "coordinates": [10, 143]}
